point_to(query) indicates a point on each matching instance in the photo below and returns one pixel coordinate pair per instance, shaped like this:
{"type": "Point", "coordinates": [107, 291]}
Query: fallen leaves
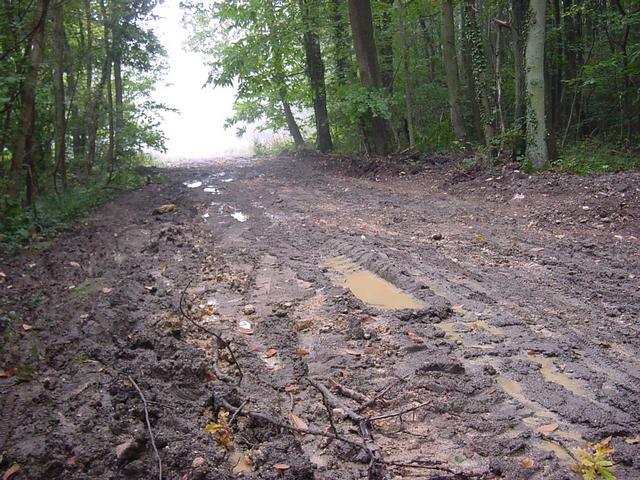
{"type": "Point", "coordinates": [632, 441]}
{"type": "Point", "coordinates": [297, 422]}
{"type": "Point", "coordinates": [15, 468]}
{"type": "Point", "coordinates": [281, 466]}
{"type": "Point", "coordinates": [527, 462]}
{"type": "Point", "coordinates": [26, 327]}
{"type": "Point", "coordinates": [270, 353]}
{"type": "Point", "coordinates": [547, 428]}
{"type": "Point", "coordinates": [8, 373]}
{"type": "Point", "coordinates": [292, 388]}
{"type": "Point", "coordinates": [246, 331]}
{"type": "Point", "coordinates": [301, 353]}
{"type": "Point", "coordinates": [221, 430]}
{"type": "Point", "coordinates": [170, 207]}
{"type": "Point", "coordinates": [355, 353]}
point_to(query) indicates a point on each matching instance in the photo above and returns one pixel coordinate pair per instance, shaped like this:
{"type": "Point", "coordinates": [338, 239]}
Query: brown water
{"type": "Point", "coordinates": [368, 286]}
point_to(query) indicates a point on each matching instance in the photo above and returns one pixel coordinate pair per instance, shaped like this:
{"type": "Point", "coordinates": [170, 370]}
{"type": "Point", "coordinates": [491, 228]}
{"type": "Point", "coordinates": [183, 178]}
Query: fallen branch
{"type": "Point", "coordinates": [452, 474]}
{"type": "Point", "coordinates": [146, 417]}
{"type": "Point", "coordinates": [348, 392]}
{"type": "Point", "coordinates": [397, 414]}
{"type": "Point", "coordinates": [380, 395]}
{"type": "Point", "coordinates": [210, 332]}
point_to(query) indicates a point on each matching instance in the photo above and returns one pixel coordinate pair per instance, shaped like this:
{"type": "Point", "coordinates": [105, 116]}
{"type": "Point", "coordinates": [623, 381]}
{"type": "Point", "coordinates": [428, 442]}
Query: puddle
{"type": "Point", "coordinates": [555, 448]}
{"type": "Point", "coordinates": [239, 216]}
{"type": "Point", "coordinates": [214, 190]}
{"type": "Point", "coordinates": [550, 374]}
{"type": "Point", "coordinates": [369, 287]}
{"type": "Point", "coordinates": [194, 184]}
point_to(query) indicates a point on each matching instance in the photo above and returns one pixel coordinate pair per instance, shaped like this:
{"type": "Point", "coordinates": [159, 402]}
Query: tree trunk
{"type": "Point", "coordinates": [537, 151]}
{"type": "Point", "coordinates": [345, 72]}
{"type": "Point", "coordinates": [60, 126]}
{"type": "Point", "coordinates": [92, 97]}
{"type": "Point", "coordinates": [479, 61]}
{"type": "Point", "coordinates": [407, 73]}
{"type": "Point", "coordinates": [21, 153]}
{"type": "Point", "coordinates": [467, 66]}
{"type": "Point", "coordinates": [108, 48]}
{"type": "Point", "coordinates": [315, 72]}
{"type": "Point", "coordinates": [518, 9]}
{"type": "Point", "coordinates": [292, 125]}
{"type": "Point", "coordinates": [450, 62]}
{"type": "Point", "coordinates": [367, 58]}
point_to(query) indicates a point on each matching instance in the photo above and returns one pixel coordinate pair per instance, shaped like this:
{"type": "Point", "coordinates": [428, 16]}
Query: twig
{"type": "Point", "coordinates": [220, 339]}
{"type": "Point", "coordinates": [401, 412]}
{"type": "Point", "coordinates": [379, 395]}
{"type": "Point", "coordinates": [216, 369]}
{"type": "Point", "coordinates": [146, 417]}
{"type": "Point", "coordinates": [237, 412]}
{"type": "Point", "coordinates": [348, 392]}
{"type": "Point", "coordinates": [329, 412]}
{"type": "Point", "coordinates": [426, 466]}
{"type": "Point", "coordinates": [309, 431]}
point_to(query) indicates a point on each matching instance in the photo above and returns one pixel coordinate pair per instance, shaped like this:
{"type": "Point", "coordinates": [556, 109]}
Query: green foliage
{"type": "Point", "coordinates": [593, 461]}
{"type": "Point", "coordinates": [596, 156]}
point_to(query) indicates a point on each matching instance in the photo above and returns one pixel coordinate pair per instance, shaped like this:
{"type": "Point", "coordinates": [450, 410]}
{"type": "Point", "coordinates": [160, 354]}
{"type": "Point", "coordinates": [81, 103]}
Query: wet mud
{"type": "Point", "coordinates": [480, 325]}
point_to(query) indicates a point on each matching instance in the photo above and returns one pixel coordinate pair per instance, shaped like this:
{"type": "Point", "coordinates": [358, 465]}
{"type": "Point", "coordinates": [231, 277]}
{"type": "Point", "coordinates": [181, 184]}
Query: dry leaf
{"type": "Point", "coordinates": [74, 264]}
{"type": "Point", "coordinates": [547, 428]}
{"type": "Point", "coordinates": [270, 353]}
{"type": "Point", "coordinates": [481, 347]}
{"type": "Point", "coordinates": [26, 327]}
{"type": "Point", "coordinates": [352, 352]}
{"type": "Point", "coordinates": [417, 340]}
{"type": "Point", "coordinates": [15, 468]}
{"type": "Point", "coordinates": [411, 334]}
{"type": "Point", "coordinates": [372, 350]}
{"type": "Point", "coordinates": [107, 290]}
{"type": "Point", "coordinates": [343, 373]}
{"type": "Point", "coordinates": [531, 352]}
{"type": "Point", "coordinates": [127, 383]}
{"type": "Point", "coordinates": [301, 353]}
{"type": "Point", "coordinates": [632, 441]}
{"type": "Point", "coordinates": [281, 466]}
{"type": "Point", "coordinates": [490, 391]}
{"type": "Point", "coordinates": [165, 266]}
{"type": "Point", "coordinates": [527, 463]}
{"type": "Point", "coordinates": [297, 422]}
{"type": "Point", "coordinates": [247, 331]}
{"type": "Point", "coordinates": [71, 460]}
{"type": "Point", "coordinates": [292, 388]}
{"type": "Point", "coordinates": [8, 373]}
{"type": "Point", "coordinates": [537, 249]}
{"type": "Point", "coordinates": [164, 209]}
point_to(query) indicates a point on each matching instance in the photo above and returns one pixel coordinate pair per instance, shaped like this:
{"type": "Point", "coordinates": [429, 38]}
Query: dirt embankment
{"type": "Point", "coordinates": [502, 330]}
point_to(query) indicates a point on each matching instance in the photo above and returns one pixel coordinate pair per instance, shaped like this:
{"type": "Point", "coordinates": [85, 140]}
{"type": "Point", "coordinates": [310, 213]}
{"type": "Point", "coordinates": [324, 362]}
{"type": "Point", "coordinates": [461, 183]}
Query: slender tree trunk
{"type": "Point", "coordinates": [479, 60]}
{"type": "Point", "coordinates": [345, 72]}
{"type": "Point", "coordinates": [92, 96]}
{"type": "Point", "coordinates": [292, 125]}
{"type": "Point", "coordinates": [22, 154]}
{"type": "Point", "coordinates": [467, 66]}
{"type": "Point", "coordinates": [108, 48]}
{"type": "Point", "coordinates": [58, 79]}
{"type": "Point", "coordinates": [315, 72]}
{"type": "Point", "coordinates": [450, 62]}
{"type": "Point", "coordinates": [407, 73]}
{"type": "Point", "coordinates": [517, 30]}
{"type": "Point", "coordinates": [367, 58]}
{"type": "Point", "coordinates": [537, 151]}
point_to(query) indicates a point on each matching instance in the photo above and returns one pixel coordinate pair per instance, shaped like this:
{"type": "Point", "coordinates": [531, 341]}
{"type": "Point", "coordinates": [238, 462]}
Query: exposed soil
{"type": "Point", "coordinates": [524, 344]}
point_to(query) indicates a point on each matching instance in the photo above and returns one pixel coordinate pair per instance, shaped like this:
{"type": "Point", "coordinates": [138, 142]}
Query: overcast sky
{"type": "Point", "coordinates": [197, 130]}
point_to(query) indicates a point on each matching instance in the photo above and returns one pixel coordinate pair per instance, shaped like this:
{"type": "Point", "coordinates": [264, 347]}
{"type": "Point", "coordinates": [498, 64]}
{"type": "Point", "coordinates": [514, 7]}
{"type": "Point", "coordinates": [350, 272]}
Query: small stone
{"type": "Point", "coordinates": [248, 309]}
{"type": "Point", "coordinates": [436, 236]}
{"type": "Point", "coordinates": [124, 449]}
{"type": "Point", "coordinates": [198, 462]}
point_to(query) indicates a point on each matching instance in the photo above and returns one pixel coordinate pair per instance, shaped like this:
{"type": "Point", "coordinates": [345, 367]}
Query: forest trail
{"type": "Point", "coordinates": [521, 341]}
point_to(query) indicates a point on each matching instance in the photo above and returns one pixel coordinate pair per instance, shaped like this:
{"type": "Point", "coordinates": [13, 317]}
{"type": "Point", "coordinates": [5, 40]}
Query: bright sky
{"type": "Point", "coordinates": [197, 130]}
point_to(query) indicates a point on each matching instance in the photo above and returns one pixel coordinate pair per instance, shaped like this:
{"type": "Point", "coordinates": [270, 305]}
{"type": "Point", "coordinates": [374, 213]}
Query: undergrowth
{"type": "Point", "coordinates": [596, 156]}
{"type": "Point", "coordinates": [53, 211]}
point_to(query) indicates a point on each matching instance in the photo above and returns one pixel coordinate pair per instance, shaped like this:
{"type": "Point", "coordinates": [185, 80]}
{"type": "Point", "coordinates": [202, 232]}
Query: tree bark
{"type": "Point", "coordinates": [518, 9]}
{"type": "Point", "coordinates": [345, 72]}
{"type": "Point", "coordinates": [450, 62]}
{"type": "Point", "coordinates": [315, 72]}
{"type": "Point", "coordinates": [467, 66]}
{"type": "Point", "coordinates": [21, 152]}
{"type": "Point", "coordinates": [367, 58]}
{"type": "Point", "coordinates": [292, 125]}
{"type": "Point", "coordinates": [537, 151]}
{"type": "Point", "coordinates": [407, 73]}
{"type": "Point", "coordinates": [60, 126]}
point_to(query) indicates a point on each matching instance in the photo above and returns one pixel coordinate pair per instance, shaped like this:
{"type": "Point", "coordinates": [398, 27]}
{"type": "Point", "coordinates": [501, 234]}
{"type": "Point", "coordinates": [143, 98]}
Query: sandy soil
{"type": "Point", "coordinates": [248, 289]}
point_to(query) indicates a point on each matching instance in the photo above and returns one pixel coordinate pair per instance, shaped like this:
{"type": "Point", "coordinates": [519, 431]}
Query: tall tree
{"type": "Point", "coordinates": [59, 91]}
{"type": "Point", "coordinates": [315, 72]}
{"type": "Point", "coordinates": [537, 151]}
{"type": "Point", "coordinates": [367, 58]}
{"type": "Point", "coordinates": [450, 62]}
{"type": "Point", "coordinates": [23, 148]}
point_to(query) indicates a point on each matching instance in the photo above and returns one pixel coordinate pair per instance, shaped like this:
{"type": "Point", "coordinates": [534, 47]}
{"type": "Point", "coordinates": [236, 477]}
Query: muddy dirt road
{"type": "Point", "coordinates": [504, 326]}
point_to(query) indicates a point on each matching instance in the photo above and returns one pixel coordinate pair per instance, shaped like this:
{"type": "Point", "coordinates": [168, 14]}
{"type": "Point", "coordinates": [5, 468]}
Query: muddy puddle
{"type": "Point", "coordinates": [368, 286]}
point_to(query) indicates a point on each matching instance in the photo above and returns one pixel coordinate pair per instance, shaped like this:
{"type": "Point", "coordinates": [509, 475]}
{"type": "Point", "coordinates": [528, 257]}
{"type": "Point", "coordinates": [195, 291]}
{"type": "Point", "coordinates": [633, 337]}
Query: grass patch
{"type": "Point", "coordinates": [594, 156]}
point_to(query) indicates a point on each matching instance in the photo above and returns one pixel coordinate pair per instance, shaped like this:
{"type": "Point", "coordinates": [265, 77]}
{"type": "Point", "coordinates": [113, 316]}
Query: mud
{"type": "Point", "coordinates": [523, 313]}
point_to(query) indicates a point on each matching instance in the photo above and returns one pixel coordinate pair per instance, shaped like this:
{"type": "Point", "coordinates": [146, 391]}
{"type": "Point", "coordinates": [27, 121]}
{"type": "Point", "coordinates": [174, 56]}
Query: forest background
{"type": "Point", "coordinates": [552, 85]}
